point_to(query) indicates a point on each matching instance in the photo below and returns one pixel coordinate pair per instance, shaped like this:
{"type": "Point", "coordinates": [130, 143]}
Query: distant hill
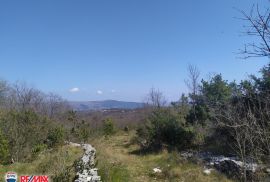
{"type": "Point", "coordinates": [106, 104]}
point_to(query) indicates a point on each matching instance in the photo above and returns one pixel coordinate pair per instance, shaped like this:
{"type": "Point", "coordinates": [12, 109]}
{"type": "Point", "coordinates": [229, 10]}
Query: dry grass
{"type": "Point", "coordinates": [48, 163]}
{"type": "Point", "coordinates": [118, 161]}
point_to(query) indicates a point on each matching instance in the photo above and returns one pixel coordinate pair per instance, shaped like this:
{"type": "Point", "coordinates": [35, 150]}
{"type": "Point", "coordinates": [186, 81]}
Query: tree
{"type": "Point", "coordinates": [163, 129]}
{"type": "Point", "coordinates": [155, 98]}
{"type": "Point", "coordinates": [165, 126]}
{"type": "Point", "coordinates": [3, 92]}
{"type": "Point", "coordinates": [257, 27]}
{"type": "Point", "coordinates": [84, 131]}
{"type": "Point", "coordinates": [193, 85]}
{"type": "Point", "coordinates": [193, 79]}
{"type": "Point", "coordinates": [22, 97]}
{"type": "Point", "coordinates": [56, 136]}
{"type": "Point", "coordinates": [73, 118]}
{"type": "Point", "coordinates": [242, 119]}
{"type": "Point", "coordinates": [56, 105]}
{"type": "Point", "coordinates": [181, 108]}
{"type": "Point", "coordinates": [216, 91]}
{"type": "Point", "coordinates": [24, 130]}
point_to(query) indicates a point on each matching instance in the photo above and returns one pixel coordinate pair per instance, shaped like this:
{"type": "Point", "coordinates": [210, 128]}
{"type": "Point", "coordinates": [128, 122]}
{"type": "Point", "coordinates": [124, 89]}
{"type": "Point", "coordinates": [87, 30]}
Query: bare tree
{"type": "Point", "coordinates": [258, 27]}
{"type": "Point", "coordinates": [56, 105]}
{"type": "Point", "coordinates": [247, 122]}
{"type": "Point", "coordinates": [21, 97]}
{"type": "Point", "coordinates": [3, 92]}
{"type": "Point", "coordinates": [193, 79]}
{"type": "Point", "coordinates": [155, 98]}
{"type": "Point", "coordinates": [193, 85]}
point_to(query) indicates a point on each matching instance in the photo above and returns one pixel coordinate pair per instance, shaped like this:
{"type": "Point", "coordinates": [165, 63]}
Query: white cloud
{"type": "Point", "coordinates": [73, 90]}
{"type": "Point", "coordinates": [99, 92]}
{"type": "Point", "coordinates": [113, 91]}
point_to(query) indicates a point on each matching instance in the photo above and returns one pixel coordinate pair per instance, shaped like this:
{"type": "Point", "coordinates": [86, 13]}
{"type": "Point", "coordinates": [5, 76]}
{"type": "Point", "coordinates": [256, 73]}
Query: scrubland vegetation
{"type": "Point", "coordinates": [217, 116]}
{"type": "Point", "coordinates": [57, 163]}
{"type": "Point", "coordinates": [120, 159]}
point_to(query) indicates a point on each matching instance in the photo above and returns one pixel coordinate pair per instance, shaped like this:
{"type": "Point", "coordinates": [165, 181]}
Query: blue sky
{"type": "Point", "coordinates": [119, 49]}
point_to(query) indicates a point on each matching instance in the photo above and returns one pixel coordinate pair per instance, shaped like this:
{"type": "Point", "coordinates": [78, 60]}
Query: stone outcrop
{"type": "Point", "coordinates": [85, 168]}
{"type": "Point", "coordinates": [157, 170]}
{"type": "Point", "coordinates": [231, 166]}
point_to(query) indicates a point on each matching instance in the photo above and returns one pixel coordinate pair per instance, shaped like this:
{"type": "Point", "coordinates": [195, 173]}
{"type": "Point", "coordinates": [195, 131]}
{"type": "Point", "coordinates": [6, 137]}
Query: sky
{"type": "Point", "coordinates": [118, 49]}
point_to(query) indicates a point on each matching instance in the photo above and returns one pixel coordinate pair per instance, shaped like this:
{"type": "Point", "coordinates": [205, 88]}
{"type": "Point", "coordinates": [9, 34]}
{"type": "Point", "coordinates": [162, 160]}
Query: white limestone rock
{"type": "Point", "coordinates": [157, 170]}
{"type": "Point", "coordinates": [85, 169]}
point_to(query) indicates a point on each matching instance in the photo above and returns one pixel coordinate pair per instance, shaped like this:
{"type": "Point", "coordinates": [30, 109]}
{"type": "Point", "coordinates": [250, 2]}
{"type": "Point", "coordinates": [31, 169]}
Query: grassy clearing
{"type": "Point", "coordinates": [48, 163]}
{"type": "Point", "coordinates": [119, 161]}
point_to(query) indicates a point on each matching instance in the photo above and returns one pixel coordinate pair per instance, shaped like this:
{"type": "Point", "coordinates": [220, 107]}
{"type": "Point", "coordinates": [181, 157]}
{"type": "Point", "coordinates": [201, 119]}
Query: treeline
{"type": "Point", "coordinates": [30, 122]}
{"type": "Point", "coordinates": [222, 117]}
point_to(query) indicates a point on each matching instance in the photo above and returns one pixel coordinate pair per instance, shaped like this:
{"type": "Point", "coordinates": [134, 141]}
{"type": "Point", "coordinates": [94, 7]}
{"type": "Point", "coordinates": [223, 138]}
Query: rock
{"type": "Point", "coordinates": [207, 171]}
{"type": "Point", "coordinates": [74, 144]}
{"type": "Point", "coordinates": [85, 167]}
{"type": "Point", "coordinates": [96, 178]}
{"type": "Point", "coordinates": [228, 167]}
{"type": "Point", "coordinates": [236, 168]}
{"type": "Point", "coordinates": [157, 170]}
{"type": "Point", "coordinates": [267, 170]}
{"type": "Point", "coordinates": [187, 155]}
{"type": "Point", "coordinates": [231, 166]}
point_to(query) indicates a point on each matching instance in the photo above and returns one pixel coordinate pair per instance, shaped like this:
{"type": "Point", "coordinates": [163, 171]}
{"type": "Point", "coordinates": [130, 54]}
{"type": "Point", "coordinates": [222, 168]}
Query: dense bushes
{"type": "Point", "coordinates": [223, 117]}
{"type": "Point", "coordinates": [4, 149]}
{"type": "Point", "coordinates": [23, 130]}
{"type": "Point", "coordinates": [83, 131]}
{"type": "Point", "coordinates": [28, 133]}
{"type": "Point", "coordinates": [28, 122]}
{"type": "Point", "coordinates": [163, 129]}
{"type": "Point", "coordinates": [56, 136]}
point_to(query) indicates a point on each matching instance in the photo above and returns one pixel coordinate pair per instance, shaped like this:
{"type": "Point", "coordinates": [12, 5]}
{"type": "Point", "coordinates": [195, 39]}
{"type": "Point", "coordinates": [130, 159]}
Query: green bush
{"type": "Point", "coordinates": [126, 129]}
{"type": "Point", "coordinates": [108, 127]}
{"type": "Point", "coordinates": [4, 150]}
{"type": "Point", "coordinates": [56, 136]}
{"type": "Point", "coordinates": [38, 148]}
{"type": "Point", "coordinates": [24, 130]}
{"type": "Point", "coordinates": [162, 129]}
{"type": "Point", "coordinates": [83, 131]}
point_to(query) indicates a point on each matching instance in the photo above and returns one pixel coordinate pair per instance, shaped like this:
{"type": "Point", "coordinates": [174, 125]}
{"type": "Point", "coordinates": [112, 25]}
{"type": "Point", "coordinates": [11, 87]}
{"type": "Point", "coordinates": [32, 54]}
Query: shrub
{"type": "Point", "coordinates": [4, 150]}
{"type": "Point", "coordinates": [84, 131]}
{"type": "Point", "coordinates": [162, 129]}
{"type": "Point", "coordinates": [56, 136]}
{"type": "Point", "coordinates": [108, 127]}
{"type": "Point", "coordinates": [38, 148]}
{"type": "Point", "coordinates": [126, 129]}
{"type": "Point", "coordinates": [23, 131]}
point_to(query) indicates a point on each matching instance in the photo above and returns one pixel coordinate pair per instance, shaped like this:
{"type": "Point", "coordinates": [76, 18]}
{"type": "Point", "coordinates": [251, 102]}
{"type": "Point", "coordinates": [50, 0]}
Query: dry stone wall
{"type": "Point", "coordinates": [85, 168]}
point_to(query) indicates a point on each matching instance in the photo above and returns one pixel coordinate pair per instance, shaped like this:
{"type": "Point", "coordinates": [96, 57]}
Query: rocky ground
{"type": "Point", "coordinates": [85, 168]}
{"type": "Point", "coordinates": [231, 166]}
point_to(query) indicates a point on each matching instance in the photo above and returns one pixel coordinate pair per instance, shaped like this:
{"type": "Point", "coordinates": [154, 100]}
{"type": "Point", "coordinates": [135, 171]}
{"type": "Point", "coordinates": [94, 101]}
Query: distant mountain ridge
{"type": "Point", "coordinates": [106, 104]}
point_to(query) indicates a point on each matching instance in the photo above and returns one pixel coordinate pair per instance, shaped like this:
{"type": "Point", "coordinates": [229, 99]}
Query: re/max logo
{"type": "Point", "coordinates": [34, 179]}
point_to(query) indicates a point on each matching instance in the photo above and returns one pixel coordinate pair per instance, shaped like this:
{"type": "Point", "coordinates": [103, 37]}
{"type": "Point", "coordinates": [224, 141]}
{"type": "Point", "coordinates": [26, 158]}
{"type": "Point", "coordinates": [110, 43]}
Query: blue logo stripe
{"type": "Point", "coordinates": [31, 179]}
